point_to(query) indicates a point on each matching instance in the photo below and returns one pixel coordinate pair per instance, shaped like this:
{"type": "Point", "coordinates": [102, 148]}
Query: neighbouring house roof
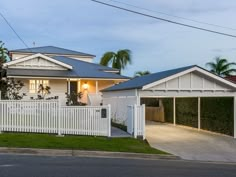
{"type": "Point", "coordinates": [147, 80]}
{"type": "Point", "coordinates": [51, 50]}
{"type": "Point", "coordinates": [81, 69]}
{"type": "Point", "coordinates": [231, 78]}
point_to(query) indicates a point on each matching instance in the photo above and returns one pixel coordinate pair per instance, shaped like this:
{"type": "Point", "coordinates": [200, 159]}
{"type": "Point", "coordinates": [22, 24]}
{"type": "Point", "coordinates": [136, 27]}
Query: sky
{"type": "Point", "coordinates": [93, 28]}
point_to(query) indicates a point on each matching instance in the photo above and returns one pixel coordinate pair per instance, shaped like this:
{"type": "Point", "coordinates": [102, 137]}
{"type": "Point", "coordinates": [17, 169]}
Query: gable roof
{"type": "Point", "coordinates": [81, 69]}
{"type": "Point", "coordinates": [51, 50]}
{"type": "Point", "coordinates": [150, 80]}
{"type": "Point", "coordinates": [38, 55]}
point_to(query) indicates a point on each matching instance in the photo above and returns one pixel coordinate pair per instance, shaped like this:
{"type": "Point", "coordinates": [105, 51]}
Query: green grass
{"type": "Point", "coordinates": [24, 140]}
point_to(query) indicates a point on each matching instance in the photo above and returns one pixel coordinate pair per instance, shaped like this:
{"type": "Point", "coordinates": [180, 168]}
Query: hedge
{"type": "Point", "coordinates": [168, 109]}
{"type": "Point", "coordinates": [186, 112]}
{"type": "Point", "coordinates": [216, 113]}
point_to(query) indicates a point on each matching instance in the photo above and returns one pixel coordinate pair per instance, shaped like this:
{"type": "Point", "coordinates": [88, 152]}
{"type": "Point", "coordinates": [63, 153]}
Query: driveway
{"type": "Point", "coordinates": [191, 144]}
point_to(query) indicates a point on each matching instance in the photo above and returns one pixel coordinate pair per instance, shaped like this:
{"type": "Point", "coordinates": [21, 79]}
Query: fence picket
{"type": "Point", "coordinates": [136, 120]}
{"type": "Point", "coordinates": [50, 117]}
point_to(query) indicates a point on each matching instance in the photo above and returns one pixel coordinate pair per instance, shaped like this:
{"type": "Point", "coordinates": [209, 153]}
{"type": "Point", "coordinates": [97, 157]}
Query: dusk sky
{"type": "Point", "coordinates": [92, 28]}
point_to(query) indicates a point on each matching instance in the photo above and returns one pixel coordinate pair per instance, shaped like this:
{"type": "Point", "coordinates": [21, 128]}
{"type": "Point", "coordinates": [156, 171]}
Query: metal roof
{"type": "Point", "coordinates": [139, 82]}
{"type": "Point", "coordinates": [51, 50]}
{"type": "Point", "coordinates": [81, 69]}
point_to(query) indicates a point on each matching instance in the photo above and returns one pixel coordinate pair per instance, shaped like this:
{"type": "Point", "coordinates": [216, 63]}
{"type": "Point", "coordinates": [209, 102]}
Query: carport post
{"type": "Point", "coordinates": [174, 112]}
{"type": "Point", "coordinates": [234, 116]}
{"type": "Point", "coordinates": [199, 113]}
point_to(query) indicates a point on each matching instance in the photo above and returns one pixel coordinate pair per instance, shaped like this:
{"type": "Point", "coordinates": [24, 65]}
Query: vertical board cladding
{"type": "Point", "coordinates": [119, 101]}
{"type": "Point", "coordinates": [119, 107]}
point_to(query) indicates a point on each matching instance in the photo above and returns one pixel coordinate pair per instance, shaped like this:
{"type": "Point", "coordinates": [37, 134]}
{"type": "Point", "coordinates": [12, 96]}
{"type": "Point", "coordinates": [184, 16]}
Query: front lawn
{"type": "Point", "coordinates": [24, 140]}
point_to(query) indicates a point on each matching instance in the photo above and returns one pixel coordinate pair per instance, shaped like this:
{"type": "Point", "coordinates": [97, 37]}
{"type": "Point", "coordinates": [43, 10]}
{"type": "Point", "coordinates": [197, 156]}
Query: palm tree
{"type": "Point", "coordinates": [141, 73]}
{"type": "Point", "coordinates": [221, 67]}
{"type": "Point", "coordinates": [117, 60]}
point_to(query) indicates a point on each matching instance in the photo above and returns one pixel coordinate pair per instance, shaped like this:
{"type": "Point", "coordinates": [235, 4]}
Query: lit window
{"type": "Point", "coordinates": [34, 85]}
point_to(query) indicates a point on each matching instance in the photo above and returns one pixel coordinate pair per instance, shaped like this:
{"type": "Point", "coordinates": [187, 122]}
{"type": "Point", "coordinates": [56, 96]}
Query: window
{"type": "Point", "coordinates": [34, 85]}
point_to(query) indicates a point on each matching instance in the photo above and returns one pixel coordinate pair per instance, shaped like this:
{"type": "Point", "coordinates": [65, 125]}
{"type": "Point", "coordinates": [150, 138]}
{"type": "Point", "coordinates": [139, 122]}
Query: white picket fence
{"type": "Point", "coordinates": [136, 120]}
{"type": "Point", "coordinates": [51, 117]}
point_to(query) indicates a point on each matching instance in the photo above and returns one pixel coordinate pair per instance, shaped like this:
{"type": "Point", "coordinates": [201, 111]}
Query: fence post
{"type": "Point", "coordinates": [1, 121]}
{"type": "Point", "coordinates": [143, 117]}
{"type": "Point", "coordinates": [109, 121]}
{"type": "Point", "coordinates": [59, 116]}
{"type": "Point", "coordinates": [135, 121]}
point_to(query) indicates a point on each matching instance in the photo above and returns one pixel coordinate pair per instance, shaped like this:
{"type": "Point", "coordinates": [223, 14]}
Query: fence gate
{"type": "Point", "coordinates": [49, 117]}
{"type": "Point", "coordinates": [136, 120]}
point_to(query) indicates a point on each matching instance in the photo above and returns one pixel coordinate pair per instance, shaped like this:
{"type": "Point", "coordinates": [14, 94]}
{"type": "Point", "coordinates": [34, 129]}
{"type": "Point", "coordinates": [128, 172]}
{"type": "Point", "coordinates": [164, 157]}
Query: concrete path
{"type": "Point", "coordinates": [118, 133]}
{"type": "Point", "coordinates": [191, 144]}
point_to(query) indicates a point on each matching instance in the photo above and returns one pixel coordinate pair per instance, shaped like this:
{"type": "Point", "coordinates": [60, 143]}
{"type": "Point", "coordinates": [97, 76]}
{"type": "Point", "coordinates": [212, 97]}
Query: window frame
{"type": "Point", "coordinates": [34, 85]}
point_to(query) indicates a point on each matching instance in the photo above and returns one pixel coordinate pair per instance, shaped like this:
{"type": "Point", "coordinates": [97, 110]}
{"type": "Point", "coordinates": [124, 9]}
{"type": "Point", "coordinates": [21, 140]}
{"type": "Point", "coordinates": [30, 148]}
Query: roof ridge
{"type": "Point", "coordinates": [28, 50]}
{"type": "Point", "coordinates": [87, 62]}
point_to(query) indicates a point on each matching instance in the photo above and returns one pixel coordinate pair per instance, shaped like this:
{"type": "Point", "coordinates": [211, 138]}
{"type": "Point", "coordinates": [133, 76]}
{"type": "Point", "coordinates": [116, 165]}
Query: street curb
{"type": "Point", "coordinates": [82, 153]}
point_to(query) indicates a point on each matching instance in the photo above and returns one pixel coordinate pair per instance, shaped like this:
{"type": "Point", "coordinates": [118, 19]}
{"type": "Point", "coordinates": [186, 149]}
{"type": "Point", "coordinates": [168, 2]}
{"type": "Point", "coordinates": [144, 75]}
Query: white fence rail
{"type": "Point", "coordinates": [85, 120]}
{"type": "Point", "coordinates": [50, 117]}
{"type": "Point", "coordinates": [136, 120]}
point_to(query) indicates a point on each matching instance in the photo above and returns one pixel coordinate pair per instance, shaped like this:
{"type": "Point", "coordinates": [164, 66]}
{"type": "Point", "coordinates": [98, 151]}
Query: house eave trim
{"type": "Point", "coordinates": [35, 56]}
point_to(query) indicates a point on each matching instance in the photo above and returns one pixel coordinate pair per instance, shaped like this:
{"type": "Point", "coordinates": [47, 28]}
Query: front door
{"type": "Point", "coordinates": [73, 87]}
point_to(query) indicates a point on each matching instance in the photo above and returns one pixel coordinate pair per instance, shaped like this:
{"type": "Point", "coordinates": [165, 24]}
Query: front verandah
{"type": "Point", "coordinates": [89, 87]}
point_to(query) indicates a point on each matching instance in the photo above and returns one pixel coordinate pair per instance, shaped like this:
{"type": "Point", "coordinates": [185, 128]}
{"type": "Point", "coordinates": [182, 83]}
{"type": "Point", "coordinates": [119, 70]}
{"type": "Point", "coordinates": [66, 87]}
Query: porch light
{"type": "Point", "coordinates": [85, 86]}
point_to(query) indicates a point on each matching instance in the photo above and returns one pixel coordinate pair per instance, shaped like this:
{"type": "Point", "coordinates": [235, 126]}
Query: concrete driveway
{"type": "Point", "coordinates": [191, 144]}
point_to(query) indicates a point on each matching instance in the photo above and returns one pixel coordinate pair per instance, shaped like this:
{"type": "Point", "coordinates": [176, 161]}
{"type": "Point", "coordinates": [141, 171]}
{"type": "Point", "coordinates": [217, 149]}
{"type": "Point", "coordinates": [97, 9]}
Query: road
{"type": "Point", "coordinates": [39, 166]}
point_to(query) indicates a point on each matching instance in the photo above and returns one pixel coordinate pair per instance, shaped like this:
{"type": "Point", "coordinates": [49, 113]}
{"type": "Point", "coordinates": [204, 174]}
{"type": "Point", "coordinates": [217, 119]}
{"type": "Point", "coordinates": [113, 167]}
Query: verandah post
{"type": "Point", "coordinates": [174, 111]}
{"type": "Point", "coordinates": [199, 113]}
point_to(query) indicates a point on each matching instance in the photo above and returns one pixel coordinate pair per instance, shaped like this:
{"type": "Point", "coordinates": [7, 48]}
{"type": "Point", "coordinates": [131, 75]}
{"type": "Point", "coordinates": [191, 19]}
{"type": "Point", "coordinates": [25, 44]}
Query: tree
{"type": "Point", "coordinates": [3, 55]}
{"type": "Point", "coordinates": [141, 73]}
{"type": "Point", "coordinates": [10, 88]}
{"type": "Point", "coordinates": [221, 67]}
{"type": "Point", "coordinates": [72, 99]}
{"type": "Point", "coordinates": [117, 60]}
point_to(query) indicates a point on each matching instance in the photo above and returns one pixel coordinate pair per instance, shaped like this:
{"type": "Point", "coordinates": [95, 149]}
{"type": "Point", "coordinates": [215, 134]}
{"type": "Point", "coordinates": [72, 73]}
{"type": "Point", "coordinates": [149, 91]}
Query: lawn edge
{"type": "Point", "coordinates": [84, 153]}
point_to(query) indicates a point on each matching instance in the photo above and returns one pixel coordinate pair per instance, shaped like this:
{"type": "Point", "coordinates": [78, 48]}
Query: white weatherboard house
{"type": "Point", "coordinates": [63, 70]}
{"type": "Point", "coordinates": [190, 81]}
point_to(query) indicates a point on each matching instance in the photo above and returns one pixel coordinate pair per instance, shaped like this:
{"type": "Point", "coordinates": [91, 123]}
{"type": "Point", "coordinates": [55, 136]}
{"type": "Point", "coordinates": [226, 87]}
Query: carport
{"type": "Point", "coordinates": [186, 82]}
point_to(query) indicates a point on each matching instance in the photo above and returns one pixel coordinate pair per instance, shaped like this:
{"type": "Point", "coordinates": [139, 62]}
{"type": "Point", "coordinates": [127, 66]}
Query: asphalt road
{"type": "Point", "coordinates": [38, 166]}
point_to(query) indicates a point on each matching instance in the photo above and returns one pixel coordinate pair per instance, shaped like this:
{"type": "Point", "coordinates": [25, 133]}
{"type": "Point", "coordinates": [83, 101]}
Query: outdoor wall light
{"type": "Point", "coordinates": [85, 86]}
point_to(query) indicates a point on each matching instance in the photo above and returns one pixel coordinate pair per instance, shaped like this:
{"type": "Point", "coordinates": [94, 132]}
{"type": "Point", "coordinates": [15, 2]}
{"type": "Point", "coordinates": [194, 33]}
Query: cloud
{"type": "Point", "coordinates": [90, 27]}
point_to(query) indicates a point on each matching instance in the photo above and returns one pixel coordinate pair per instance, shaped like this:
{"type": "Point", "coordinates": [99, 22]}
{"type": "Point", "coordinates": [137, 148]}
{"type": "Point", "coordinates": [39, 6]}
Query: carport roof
{"type": "Point", "coordinates": [139, 82]}
{"type": "Point", "coordinates": [144, 81]}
